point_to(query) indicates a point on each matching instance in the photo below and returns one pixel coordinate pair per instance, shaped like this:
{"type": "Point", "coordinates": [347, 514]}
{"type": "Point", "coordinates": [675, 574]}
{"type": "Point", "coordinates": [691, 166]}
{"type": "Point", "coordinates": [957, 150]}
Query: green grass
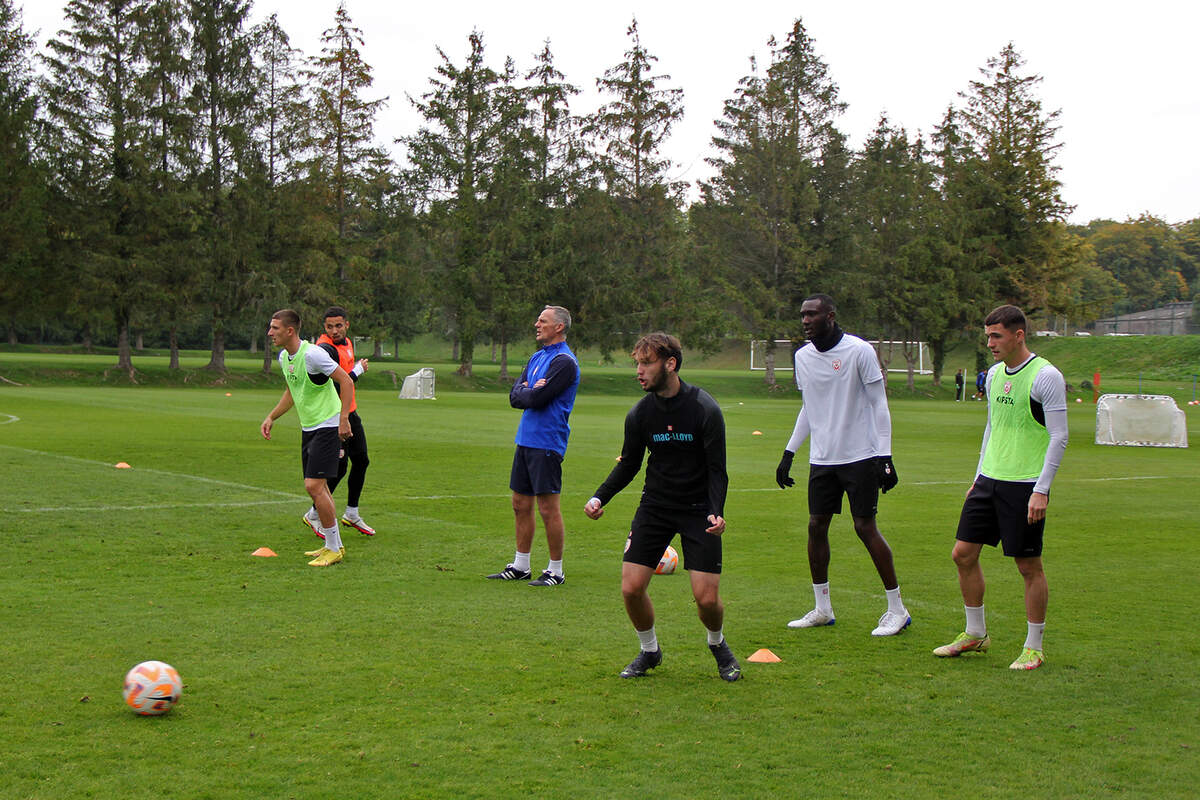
{"type": "Point", "coordinates": [402, 673]}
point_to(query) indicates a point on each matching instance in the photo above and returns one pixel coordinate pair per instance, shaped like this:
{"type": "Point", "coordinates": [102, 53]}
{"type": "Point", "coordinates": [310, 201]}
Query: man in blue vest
{"type": "Point", "coordinates": [546, 393]}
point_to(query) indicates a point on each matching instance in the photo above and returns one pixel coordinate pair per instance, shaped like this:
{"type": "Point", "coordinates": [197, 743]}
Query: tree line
{"type": "Point", "coordinates": [175, 173]}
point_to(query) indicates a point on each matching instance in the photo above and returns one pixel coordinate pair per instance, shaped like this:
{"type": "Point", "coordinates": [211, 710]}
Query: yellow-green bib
{"type": "Point", "coordinates": [314, 404]}
{"type": "Point", "coordinates": [1016, 446]}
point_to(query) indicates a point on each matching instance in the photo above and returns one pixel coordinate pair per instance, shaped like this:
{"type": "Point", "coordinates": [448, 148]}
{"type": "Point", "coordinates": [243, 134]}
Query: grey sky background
{"type": "Point", "coordinates": [1126, 76]}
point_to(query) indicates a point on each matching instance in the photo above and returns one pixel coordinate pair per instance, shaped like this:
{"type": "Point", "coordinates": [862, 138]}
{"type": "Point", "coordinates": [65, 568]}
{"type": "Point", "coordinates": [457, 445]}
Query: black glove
{"type": "Point", "coordinates": [887, 473]}
{"type": "Point", "coordinates": [785, 466]}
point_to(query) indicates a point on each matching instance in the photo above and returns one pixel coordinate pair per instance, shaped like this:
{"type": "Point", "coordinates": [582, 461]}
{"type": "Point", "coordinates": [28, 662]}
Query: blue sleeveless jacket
{"type": "Point", "coordinates": [545, 427]}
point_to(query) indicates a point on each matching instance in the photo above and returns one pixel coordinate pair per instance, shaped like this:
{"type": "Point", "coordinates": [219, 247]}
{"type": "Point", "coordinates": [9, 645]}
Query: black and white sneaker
{"type": "Point", "coordinates": [510, 573]}
{"type": "Point", "coordinates": [547, 578]}
{"type": "Point", "coordinates": [644, 662]}
{"type": "Point", "coordinates": [727, 663]}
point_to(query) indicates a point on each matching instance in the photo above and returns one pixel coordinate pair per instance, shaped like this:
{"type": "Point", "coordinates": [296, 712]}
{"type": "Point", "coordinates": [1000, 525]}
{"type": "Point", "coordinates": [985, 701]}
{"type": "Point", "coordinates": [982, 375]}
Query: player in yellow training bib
{"type": "Point", "coordinates": [1023, 446]}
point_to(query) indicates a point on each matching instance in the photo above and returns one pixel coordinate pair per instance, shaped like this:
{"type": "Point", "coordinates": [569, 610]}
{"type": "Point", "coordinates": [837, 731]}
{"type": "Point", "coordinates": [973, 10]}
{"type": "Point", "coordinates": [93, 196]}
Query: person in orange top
{"type": "Point", "coordinates": [335, 342]}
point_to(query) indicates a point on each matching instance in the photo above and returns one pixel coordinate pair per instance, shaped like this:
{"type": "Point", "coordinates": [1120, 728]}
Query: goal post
{"type": "Point", "coordinates": [419, 385]}
{"type": "Point", "coordinates": [891, 352]}
{"type": "Point", "coordinates": [1140, 420]}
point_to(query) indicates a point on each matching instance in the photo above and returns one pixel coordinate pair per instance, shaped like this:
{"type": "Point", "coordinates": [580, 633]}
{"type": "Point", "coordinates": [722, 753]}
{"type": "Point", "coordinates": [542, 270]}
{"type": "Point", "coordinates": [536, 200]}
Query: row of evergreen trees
{"type": "Point", "coordinates": [171, 170]}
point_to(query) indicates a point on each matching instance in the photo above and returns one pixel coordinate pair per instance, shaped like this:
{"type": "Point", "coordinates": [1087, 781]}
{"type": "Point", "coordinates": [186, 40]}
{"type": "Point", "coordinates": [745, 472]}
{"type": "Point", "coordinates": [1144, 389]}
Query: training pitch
{"type": "Point", "coordinates": [403, 673]}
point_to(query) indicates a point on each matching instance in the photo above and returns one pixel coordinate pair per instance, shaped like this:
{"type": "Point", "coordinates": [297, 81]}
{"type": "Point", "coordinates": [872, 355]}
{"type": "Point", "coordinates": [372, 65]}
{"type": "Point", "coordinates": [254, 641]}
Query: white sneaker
{"type": "Point", "coordinates": [813, 619]}
{"type": "Point", "coordinates": [890, 624]}
{"type": "Point", "coordinates": [314, 523]}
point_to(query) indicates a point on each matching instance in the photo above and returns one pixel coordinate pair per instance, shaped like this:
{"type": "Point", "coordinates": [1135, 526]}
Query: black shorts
{"type": "Point", "coordinates": [653, 529]}
{"type": "Point", "coordinates": [998, 511]}
{"type": "Point", "coordinates": [319, 452]}
{"type": "Point", "coordinates": [356, 446]}
{"type": "Point", "coordinates": [536, 471]}
{"type": "Point", "coordinates": [859, 480]}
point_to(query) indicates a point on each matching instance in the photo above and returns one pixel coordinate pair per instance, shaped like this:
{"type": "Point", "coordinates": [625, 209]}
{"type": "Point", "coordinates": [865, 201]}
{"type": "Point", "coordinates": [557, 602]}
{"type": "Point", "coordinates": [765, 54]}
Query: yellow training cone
{"type": "Point", "coordinates": [757, 433]}
{"type": "Point", "coordinates": [122, 465]}
{"type": "Point", "coordinates": [764, 656]}
{"type": "Point", "coordinates": [265, 552]}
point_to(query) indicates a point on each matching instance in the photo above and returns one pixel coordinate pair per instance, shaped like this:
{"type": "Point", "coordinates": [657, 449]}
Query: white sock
{"type": "Point", "coordinates": [521, 561]}
{"type": "Point", "coordinates": [1033, 639]}
{"type": "Point", "coordinates": [555, 567]}
{"type": "Point", "coordinates": [352, 513]}
{"type": "Point", "coordinates": [821, 592]}
{"type": "Point", "coordinates": [976, 626]}
{"type": "Point", "coordinates": [333, 537]}
{"type": "Point", "coordinates": [715, 637]}
{"type": "Point", "coordinates": [895, 604]}
{"type": "Point", "coordinates": [649, 639]}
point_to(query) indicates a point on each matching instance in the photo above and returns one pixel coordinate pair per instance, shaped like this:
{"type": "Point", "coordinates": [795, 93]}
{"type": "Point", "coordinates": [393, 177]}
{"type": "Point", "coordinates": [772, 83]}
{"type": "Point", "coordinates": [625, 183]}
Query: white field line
{"type": "Point", "coordinates": [168, 473]}
{"type": "Point", "coordinates": [8, 418]}
{"type": "Point", "coordinates": [148, 507]}
{"type": "Point", "coordinates": [292, 498]}
{"type": "Point", "coordinates": [968, 483]}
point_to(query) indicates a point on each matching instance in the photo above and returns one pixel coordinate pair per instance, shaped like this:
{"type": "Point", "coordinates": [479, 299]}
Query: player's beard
{"type": "Point", "coordinates": [657, 382]}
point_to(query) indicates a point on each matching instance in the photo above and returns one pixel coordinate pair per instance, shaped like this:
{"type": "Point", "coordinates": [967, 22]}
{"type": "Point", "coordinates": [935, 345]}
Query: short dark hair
{"type": "Point", "coordinates": [1011, 317]}
{"type": "Point", "coordinates": [288, 317]}
{"type": "Point", "coordinates": [662, 345]}
{"type": "Point", "coordinates": [825, 300]}
{"type": "Point", "coordinates": [335, 311]}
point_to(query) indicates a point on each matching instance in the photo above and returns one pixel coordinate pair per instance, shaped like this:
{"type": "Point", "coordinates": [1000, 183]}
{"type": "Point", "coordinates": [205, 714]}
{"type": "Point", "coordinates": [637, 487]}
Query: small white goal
{"type": "Point", "coordinates": [418, 386]}
{"type": "Point", "coordinates": [1140, 420]}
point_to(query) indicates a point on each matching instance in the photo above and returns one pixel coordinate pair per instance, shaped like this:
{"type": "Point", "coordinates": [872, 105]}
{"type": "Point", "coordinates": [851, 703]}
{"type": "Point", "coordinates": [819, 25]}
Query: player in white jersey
{"type": "Point", "coordinates": [845, 413]}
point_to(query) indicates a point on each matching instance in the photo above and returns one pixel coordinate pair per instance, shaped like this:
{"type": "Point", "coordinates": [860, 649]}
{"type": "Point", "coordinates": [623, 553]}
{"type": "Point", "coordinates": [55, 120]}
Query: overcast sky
{"type": "Point", "coordinates": [1126, 76]}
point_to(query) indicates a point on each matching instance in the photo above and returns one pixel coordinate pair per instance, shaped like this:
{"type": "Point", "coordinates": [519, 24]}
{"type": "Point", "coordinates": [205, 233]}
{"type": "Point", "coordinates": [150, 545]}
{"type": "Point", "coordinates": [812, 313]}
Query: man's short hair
{"type": "Point", "coordinates": [1011, 317]}
{"type": "Point", "coordinates": [288, 317]}
{"type": "Point", "coordinates": [335, 311]}
{"type": "Point", "coordinates": [561, 316]}
{"type": "Point", "coordinates": [661, 345]}
{"type": "Point", "coordinates": [825, 300]}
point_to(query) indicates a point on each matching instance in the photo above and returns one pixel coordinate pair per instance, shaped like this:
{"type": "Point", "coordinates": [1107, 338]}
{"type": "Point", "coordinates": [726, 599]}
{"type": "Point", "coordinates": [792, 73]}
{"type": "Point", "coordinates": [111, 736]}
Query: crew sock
{"type": "Point", "coordinates": [976, 626]}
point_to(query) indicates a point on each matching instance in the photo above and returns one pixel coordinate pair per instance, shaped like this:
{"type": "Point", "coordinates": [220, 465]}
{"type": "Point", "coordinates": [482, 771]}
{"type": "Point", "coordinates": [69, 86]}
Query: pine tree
{"type": "Point", "coordinates": [169, 224]}
{"type": "Point", "coordinates": [1016, 203]}
{"type": "Point", "coordinates": [896, 205]}
{"type": "Point", "coordinates": [639, 282]}
{"type": "Point", "coordinates": [282, 136]}
{"type": "Point", "coordinates": [342, 126]}
{"type": "Point", "coordinates": [23, 191]}
{"type": "Point", "coordinates": [780, 165]}
{"type": "Point", "coordinates": [632, 127]}
{"type": "Point", "coordinates": [100, 131]}
{"type": "Point", "coordinates": [453, 156]}
{"type": "Point", "coordinates": [229, 169]}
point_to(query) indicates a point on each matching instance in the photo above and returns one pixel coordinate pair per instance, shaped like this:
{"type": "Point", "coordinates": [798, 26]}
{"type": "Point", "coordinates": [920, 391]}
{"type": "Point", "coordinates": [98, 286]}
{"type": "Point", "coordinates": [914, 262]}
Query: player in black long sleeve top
{"type": "Point", "coordinates": [685, 435]}
{"type": "Point", "coordinates": [684, 493]}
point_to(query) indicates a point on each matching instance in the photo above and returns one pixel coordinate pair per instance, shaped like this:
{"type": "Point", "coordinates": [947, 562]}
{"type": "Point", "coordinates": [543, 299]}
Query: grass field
{"type": "Point", "coordinates": [402, 673]}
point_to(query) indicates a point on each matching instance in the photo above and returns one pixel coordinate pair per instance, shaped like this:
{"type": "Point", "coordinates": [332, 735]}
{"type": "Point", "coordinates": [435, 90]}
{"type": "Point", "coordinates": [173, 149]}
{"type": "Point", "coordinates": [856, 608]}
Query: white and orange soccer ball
{"type": "Point", "coordinates": [668, 562]}
{"type": "Point", "coordinates": [152, 688]}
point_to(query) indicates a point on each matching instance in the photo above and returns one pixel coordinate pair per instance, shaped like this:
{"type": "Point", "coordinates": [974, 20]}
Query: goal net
{"type": "Point", "coordinates": [418, 386]}
{"type": "Point", "coordinates": [890, 353]}
{"type": "Point", "coordinates": [1140, 420]}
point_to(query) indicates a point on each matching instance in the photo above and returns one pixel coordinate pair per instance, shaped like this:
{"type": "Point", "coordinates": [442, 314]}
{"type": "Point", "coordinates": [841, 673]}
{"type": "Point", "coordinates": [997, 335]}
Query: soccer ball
{"type": "Point", "coordinates": [152, 688]}
{"type": "Point", "coordinates": [668, 562]}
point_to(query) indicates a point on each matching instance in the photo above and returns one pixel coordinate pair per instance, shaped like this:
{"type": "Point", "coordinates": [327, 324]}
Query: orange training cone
{"type": "Point", "coordinates": [764, 656]}
{"type": "Point", "coordinates": [757, 433]}
{"type": "Point", "coordinates": [122, 465]}
{"type": "Point", "coordinates": [265, 552]}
